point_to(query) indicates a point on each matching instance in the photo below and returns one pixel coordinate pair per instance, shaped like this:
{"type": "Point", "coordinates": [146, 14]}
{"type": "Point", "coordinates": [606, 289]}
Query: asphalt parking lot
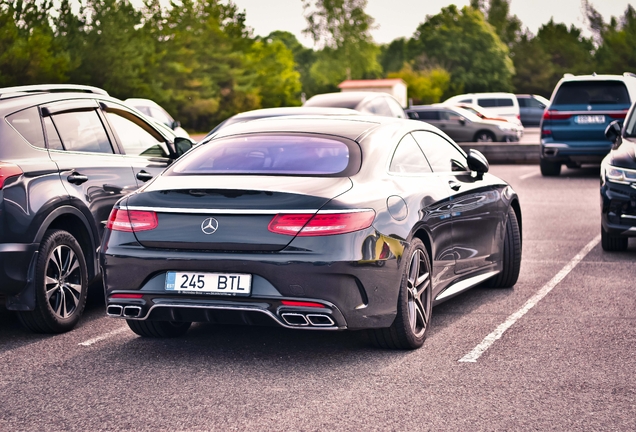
{"type": "Point", "coordinates": [563, 357]}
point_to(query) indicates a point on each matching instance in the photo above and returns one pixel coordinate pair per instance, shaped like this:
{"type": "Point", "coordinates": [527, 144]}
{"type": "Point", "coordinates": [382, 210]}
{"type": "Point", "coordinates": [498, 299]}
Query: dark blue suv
{"type": "Point", "coordinates": [581, 108]}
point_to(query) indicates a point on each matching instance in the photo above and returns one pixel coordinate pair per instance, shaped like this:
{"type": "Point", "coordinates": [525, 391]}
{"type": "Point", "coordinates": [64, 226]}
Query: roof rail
{"type": "Point", "coordinates": [629, 74]}
{"type": "Point", "coordinates": [52, 88]}
{"type": "Point", "coordinates": [567, 75]}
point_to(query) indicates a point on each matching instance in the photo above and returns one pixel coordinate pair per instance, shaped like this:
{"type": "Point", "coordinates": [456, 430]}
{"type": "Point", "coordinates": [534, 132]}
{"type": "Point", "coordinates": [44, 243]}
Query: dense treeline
{"type": "Point", "coordinates": [198, 59]}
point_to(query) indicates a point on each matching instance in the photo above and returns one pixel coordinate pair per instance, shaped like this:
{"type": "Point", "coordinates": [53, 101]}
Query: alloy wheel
{"type": "Point", "coordinates": [419, 298]}
{"type": "Point", "coordinates": [63, 281]}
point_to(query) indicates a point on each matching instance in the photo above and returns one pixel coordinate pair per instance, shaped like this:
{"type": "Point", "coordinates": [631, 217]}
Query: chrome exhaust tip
{"type": "Point", "coordinates": [320, 320]}
{"type": "Point", "coordinates": [114, 310]}
{"type": "Point", "coordinates": [132, 311]}
{"type": "Point", "coordinates": [295, 319]}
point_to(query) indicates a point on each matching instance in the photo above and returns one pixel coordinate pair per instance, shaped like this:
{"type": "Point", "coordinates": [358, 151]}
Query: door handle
{"type": "Point", "coordinates": [76, 178]}
{"type": "Point", "coordinates": [144, 176]}
{"type": "Point", "coordinates": [114, 189]}
{"type": "Point", "coordinates": [454, 185]}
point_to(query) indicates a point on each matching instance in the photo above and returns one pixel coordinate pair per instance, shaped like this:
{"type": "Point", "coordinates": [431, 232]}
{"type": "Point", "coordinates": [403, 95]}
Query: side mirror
{"type": "Point", "coordinates": [462, 121]}
{"type": "Point", "coordinates": [477, 161]}
{"type": "Point", "coordinates": [613, 133]}
{"type": "Point", "coordinates": [413, 115]}
{"type": "Point", "coordinates": [182, 145]}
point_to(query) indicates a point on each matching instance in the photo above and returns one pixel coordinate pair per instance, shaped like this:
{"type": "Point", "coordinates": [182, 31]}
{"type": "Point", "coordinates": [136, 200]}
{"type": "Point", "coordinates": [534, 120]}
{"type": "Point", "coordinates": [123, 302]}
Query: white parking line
{"type": "Point", "coordinates": [472, 356]}
{"type": "Point", "coordinates": [104, 336]}
{"type": "Point", "coordinates": [530, 174]}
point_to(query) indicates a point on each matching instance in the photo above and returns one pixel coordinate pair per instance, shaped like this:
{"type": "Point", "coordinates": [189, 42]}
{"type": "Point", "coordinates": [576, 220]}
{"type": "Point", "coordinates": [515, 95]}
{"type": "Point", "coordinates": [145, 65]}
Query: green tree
{"type": "Point", "coordinates": [424, 87]}
{"type": "Point", "coordinates": [342, 28]}
{"type": "Point", "coordinates": [533, 66]}
{"type": "Point", "coordinates": [464, 44]}
{"type": "Point", "coordinates": [29, 53]}
{"type": "Point", "coordinates": [303, 57]}
{"type": "Point", "coordinates": [394, 55]}
{"type": "Point", "coordinates": [497, 13]}
{"type": "Point", "coordinates": [617, 41]}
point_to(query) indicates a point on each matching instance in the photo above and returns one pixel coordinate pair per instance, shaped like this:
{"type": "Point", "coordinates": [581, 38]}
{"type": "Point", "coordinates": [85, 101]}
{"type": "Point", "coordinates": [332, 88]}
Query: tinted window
{"type": "Point", "coordinates": [441, 154]}
{"type": "Point", "coordinates": [487, 103]}
{"type": "Point", "coordinates": [82, 131]}
{"type": "Point", "coordinates": [135, 139]}
{"type": "Point", "coordinates": [269, 154]}
{"type": "Point", "coordinates": [428, 115]}
{"type": "Point", "coordinates": [505, 102]}
{"type": "Point", "coordinates": [408, 158]}
{"type": "Point", "coordinates": [466, 101]}
{"type": "Point", "coordinates": [523, 102]}
{"type": "Point", "coordinates": [27, 123]}
{"type": "Point", "coordinates": [52, 137]}
{"type": "Point", "coordinates": [533, 103]}
{"type": "Point", "coordinates": [592, 92]}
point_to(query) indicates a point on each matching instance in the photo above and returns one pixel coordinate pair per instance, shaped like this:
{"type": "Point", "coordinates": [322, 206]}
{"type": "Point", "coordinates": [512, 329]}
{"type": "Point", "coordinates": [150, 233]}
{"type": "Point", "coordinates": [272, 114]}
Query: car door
{"type": "Point", "coordinates": [145, 149]}
{"type": "Point", "coordinates": [421, 189]}
{"type": "Point", "coordinates": [457, 126]}
{"type": "Point", "coordinates": [92, 172]}
{"type": "Point", "coordinates": [476, 214]}
{"type": "Point", "coordinates": [535, 110]}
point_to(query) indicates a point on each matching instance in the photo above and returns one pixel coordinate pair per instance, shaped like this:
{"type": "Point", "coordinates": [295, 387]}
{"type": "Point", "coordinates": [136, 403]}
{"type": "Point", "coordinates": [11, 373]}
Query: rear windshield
{"type": "Point", "coordinates": [495, 102]}
{"type": "Point", "coordinates": [592, 92]}
{"type": "Point", "coordinates": [272, 155]}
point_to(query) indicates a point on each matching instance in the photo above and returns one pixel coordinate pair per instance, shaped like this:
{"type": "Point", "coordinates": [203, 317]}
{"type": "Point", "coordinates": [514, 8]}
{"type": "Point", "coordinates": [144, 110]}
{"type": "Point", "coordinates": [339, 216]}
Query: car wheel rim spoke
{"type": "Point", "coordinates": [418, 285]}
{"type": "Point", "coordinates": [63, 281]}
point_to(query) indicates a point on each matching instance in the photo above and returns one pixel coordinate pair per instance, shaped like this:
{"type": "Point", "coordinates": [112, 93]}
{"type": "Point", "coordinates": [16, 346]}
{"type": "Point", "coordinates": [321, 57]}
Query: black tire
{"type": "Point", "coordinates": [612, 243]}
{"type": "Point", "coordinates": [61, 284]}
{"type": "Point", "coordinates": [511, 254]}
{"type": "Point", "coordinates": [485, 136]}
{"type": "Point", "coordinates": [158, 329]}
{"type": "Point", "coordinates": [415, 303]}
{"type": "Point", "coordinates": [550, 169]}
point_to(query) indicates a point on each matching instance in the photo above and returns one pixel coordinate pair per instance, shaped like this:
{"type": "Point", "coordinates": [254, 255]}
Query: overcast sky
{"type": "Point", "coordinates": [400, 18]}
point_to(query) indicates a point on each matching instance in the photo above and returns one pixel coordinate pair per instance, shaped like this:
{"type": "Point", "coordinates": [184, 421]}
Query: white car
{"type": "Point", "coordinates": [500, 104]}
{"type": "Point", "coordinates": [154, 110]}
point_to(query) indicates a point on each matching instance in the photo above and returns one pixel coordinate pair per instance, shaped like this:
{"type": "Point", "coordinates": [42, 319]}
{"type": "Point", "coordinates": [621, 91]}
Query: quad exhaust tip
{"type": "Point", "coordinates": [132, 311]}
{"type": "Point", "coordinates": [307, 320]}
{"type": "Point", "coordinates": [114, 310]}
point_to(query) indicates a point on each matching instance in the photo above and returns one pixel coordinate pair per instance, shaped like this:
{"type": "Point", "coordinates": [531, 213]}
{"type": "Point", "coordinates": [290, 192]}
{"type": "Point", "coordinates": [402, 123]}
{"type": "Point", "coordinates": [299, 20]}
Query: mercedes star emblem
{"type": "Point", "coordinates": [209, 225]}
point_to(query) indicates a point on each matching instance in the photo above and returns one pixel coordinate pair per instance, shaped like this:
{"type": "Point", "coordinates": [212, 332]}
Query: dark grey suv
{"type": "Point", "coordinates": [68, 154]}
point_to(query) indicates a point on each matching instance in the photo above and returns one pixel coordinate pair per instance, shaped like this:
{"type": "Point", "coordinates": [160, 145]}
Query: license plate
{"type": "Point", "coordinates": [234, 284]}
{"type": "Point", "coordinates": [590, 119]}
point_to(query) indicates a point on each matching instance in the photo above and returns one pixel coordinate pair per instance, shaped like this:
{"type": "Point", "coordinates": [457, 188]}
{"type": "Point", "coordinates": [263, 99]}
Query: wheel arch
{"type": "Point", "coordinates": [422, 234]}
{"type": "Point", "coordinates": [72, 220]}
{"type": "Point", "coordinates": [517, 209]}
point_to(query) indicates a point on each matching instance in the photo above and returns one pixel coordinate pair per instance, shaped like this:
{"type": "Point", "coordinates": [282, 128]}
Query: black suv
{"type": "Point", "coordinates": [67, 154]}
{"type": "Point", "coordinates": [618, 185]}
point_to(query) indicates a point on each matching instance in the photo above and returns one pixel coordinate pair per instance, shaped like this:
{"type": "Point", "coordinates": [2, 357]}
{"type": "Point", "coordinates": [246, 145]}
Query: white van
{"type": "Point", "coordinates": [501, 104]}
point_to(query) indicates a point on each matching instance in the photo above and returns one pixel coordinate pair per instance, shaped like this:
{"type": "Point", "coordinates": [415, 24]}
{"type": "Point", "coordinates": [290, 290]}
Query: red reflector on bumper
{"type": "Point", "coordinates": [126, 296]}
{"type": "Point", "coordinates": [301, 304]}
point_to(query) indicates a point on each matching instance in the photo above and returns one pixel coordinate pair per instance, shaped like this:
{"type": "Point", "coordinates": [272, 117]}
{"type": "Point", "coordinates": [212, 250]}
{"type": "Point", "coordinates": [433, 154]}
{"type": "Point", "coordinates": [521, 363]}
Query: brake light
{"type": "Point", "coordinates": [8, 170]}
{"type": "Point", "coordinates": [126, 296]}
{"type": "Point", "coordinates": [301, 304]}
{"type": "Point", "coordinates": [555, 115]}
{"type": "Point", "coordinates": [619, 115]}
{"type": "Point", "coordinates": [321, 224]}
{"type": "Point", "coordinates": [545, 133]}
{"type": "Point", "coordinates": [131, 220]}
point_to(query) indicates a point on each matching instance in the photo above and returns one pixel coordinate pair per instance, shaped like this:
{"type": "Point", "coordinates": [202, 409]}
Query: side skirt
{"type": "Point", "coordinates": [463, 285]}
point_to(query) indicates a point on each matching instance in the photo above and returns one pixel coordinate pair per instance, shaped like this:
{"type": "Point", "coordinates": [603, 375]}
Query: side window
{"type": "Point", "coordinates": [136, 140]}
{"type": "Point", "coordinates": [505, 102]}
{"type": "Point", "coordinates": [82, 131]}
{"type": "Point", "coordinates": [395, 108]}
{"type": "Point", "coordinates": [428, 115]}
{"type": "Point", "coordinates": [487, 102]}
{"type": "Point", "coordinates": [444, 115]}
{"type": "Point", "coordinates": [523, 102]}
{"type": "Point", "coordinates": [441, 154]}
{"type": "Point", "coordinates": [533, 103]}
{"type": "Point", "coordinates": [52, 137]}
{"type": "Point", "coordinates": [408, 158]}
{"type": "Point", "coordinates": [161, 115]}
{"type": "Point", "coordinates": [466, 101]}
{"type": "Point", "coordinates": [27, 123]}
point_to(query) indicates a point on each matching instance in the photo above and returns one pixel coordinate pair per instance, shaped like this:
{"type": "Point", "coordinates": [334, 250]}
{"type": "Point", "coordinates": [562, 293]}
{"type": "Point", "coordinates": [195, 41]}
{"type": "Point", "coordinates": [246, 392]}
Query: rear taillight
{"type": "Point", "coordinates": [8, 170]}
{"type": "Point", "coordinates": [619, 115]}
{"type": "Point", "coordinates": [301, 304]}
{"type": "Point", "coordinates": [131, 220]}
{"type": "Point", "coordinates": [555, 115]}
{"type": "Point", "coordinates": [321, 224]}
{"type": "Point", "coordinates": [126, 296]}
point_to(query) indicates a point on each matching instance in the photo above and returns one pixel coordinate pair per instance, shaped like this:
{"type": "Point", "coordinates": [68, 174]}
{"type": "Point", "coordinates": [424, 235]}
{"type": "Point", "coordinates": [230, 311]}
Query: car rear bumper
{"type": "Point", "coordinates": [566, 152]}
{"type": "Point", "coordinates": [356, 293]}
{"type": "Point", "coordinates": [15, 259]}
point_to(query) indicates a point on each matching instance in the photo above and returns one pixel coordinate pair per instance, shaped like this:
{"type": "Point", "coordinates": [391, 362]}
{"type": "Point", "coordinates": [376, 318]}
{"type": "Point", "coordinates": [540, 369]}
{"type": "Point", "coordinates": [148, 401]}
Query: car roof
{"type": "Point", "coordinates": [351, 127]}
{"type": "Point", "coordinates": [289, 111]}
{"type": "Point", "coordinates": [342, 100]}
{"type": "Point", "coordinates": [141, 102]}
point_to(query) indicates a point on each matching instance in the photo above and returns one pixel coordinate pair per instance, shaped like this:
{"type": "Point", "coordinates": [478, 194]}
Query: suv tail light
{"type": "Point", "coordinates": [321, 224]}
{"type": "Point", "coordinates": [555, 115]}
{"type": "Point", "coordinates": [619, 115]}
{"type": "Point", "coordinates": [131, 220]}
{"type": "Point", "coordinates": [8, 170]}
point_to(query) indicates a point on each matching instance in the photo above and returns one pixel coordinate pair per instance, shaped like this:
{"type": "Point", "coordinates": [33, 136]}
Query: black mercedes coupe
{"type": "Point", "coordinates": [318, 223]}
